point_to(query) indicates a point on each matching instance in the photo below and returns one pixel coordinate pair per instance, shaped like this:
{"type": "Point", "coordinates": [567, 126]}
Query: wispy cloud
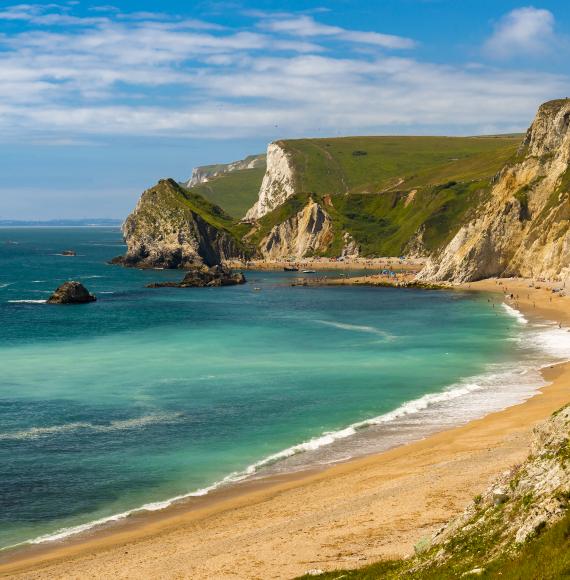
{"type": "Point", "coordinates": [307, 26]}
{"type": "Point", "coordinates": [523, 32]}
{"type": "Point", "coordinates": [161, 75]}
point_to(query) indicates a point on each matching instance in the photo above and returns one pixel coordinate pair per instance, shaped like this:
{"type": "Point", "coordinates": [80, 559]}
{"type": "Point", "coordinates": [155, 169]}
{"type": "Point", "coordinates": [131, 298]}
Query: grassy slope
{"type": "Point", "coordinates": [176, 197]}
{"type": "Point", "coordinates": [543, 558]}
{"type": "Point", "coordinates": [330, 165]}
{"type": "Point", "coordinates": [236, 192]}
{"type": "Point", "coordinates": [383, 224]}
{"type": "Point", "coordinates": [450, 175]}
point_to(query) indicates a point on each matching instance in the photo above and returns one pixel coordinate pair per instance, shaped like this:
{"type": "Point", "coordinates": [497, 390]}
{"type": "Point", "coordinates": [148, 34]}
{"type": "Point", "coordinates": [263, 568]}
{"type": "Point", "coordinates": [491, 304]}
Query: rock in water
{"type": "Point", "coordinates": [71, 293]}
{"type": "Point", "coordinates": [205, 277]}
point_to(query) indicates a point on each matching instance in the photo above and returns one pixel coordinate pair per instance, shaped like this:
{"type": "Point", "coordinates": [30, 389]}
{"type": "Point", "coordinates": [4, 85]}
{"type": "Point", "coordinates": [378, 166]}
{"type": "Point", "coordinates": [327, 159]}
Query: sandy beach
{"type": "Point", "coordinates": [319, 263]}
{"type": "Point", "coordinates": [345, 516]}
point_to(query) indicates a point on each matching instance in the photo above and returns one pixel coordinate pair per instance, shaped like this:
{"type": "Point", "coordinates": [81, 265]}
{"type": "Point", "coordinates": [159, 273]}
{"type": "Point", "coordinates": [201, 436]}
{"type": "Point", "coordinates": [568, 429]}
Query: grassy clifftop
{"type": "Point", "coordinates": [236, 192]}
{"type": "Point", "coordinates": [376, 164]}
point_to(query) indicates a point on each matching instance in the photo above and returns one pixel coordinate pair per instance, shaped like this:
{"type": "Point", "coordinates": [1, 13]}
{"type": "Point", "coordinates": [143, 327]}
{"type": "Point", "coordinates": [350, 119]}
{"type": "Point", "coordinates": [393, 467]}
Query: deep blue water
{"type": "Point", "coordinates": [149, 394]}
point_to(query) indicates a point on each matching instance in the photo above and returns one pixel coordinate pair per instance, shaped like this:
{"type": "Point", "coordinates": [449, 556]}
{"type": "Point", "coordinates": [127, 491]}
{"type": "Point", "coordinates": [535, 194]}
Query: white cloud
{"type": "Point", "coordinates": [522, 32]}
{"type": "Point", "coordinates": [306, 26]}
{"type": "Point", "coordinates": [186, 78]}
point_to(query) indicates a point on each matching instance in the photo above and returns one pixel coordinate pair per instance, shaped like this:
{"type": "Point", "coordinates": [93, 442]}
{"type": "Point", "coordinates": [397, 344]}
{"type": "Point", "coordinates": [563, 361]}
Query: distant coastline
{"type": "Point", "coordinates": [96, 222]}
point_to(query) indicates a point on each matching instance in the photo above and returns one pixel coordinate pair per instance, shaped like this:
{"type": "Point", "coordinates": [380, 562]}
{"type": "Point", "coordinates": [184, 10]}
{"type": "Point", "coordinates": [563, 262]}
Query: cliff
{"type": "Point", "coordinates": [173, 228]}
{"type": "Point", "coordinates": [277, 184]}
{"type": "Point", "coordinates": [378, 192]}
{"type": "Point", "coordinates": [306, 233]}
{"type": "Point", "coordinates": [523, 229]}
{"type": "Point", "coordinates": [206, 173]}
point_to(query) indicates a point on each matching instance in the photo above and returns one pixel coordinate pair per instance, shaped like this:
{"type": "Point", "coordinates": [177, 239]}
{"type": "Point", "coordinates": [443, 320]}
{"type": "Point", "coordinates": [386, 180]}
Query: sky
{"type": "Point", "coordinates": [98, 101]}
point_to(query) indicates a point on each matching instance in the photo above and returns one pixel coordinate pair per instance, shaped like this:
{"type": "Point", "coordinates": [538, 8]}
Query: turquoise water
{"type": "Point", "coordinates": [150, 394]}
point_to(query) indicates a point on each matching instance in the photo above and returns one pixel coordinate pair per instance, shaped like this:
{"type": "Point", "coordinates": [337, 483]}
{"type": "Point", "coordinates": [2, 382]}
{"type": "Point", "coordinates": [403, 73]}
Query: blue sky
{"type": "Point", "coordinates": [98, 100]}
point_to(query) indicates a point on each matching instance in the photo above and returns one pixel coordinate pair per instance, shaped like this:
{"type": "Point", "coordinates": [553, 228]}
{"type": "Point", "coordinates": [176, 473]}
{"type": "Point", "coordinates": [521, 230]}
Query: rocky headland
{"type": "Point", "coordinates": [173, 228]}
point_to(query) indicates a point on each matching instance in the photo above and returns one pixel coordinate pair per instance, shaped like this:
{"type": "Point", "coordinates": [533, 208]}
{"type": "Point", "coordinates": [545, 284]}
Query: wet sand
{"type": "Point", "coordinates": [344, 516]}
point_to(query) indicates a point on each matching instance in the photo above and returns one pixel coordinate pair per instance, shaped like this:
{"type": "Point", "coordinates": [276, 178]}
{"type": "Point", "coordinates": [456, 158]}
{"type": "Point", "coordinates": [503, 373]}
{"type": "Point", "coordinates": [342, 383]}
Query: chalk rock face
{"type": "Point", "coordinates": [205, 277]}
{"type": "Point", "coordinates": [277, 185]}
{"type": "Point", "coordinates": [71, 293]}
{"type": "Point", "coordinates": [524, 228]}
{"type": "Point", "coordinates": [166, 230]}
{"type": "Point", "coordinates": [206, 173]}
{"type": "Point", "coordinates": [350, 248]}
{"type": "Point", "coordinates": [306, 233]}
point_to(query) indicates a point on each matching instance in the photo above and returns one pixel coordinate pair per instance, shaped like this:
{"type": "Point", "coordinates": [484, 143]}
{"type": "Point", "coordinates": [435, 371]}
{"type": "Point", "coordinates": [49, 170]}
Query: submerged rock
{"type": "Point", "coordinates": [71, 293]}
{"type": "Point", "coordinates": [205, 277]}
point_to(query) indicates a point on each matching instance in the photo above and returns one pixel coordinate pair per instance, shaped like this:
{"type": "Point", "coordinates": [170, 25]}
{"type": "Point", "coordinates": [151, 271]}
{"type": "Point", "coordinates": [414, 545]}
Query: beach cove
{"type": "Point", "coordinates": [341, 516]}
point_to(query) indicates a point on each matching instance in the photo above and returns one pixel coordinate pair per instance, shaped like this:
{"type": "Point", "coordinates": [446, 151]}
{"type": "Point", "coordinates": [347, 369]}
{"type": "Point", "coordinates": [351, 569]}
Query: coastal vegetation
{"type": "Point", "coordinates": [383, 163]}
{"type": "Point", "coordinates": [518, 529]}
{"type": "Point", "coordinates": [236, 191]}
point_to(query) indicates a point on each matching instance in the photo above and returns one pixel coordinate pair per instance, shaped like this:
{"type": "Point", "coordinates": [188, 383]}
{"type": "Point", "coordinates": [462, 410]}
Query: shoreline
{"type": "Point", "coordinates": [164, 527]}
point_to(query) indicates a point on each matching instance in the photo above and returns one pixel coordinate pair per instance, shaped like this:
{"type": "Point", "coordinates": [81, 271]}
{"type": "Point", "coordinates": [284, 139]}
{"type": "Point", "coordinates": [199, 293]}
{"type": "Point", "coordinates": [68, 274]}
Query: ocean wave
{"type": "Point", "coordinates": [27, 301]}
{"type": "Point", "coordinates": [136, 423]}
{"type": "Point", "coordinates": [410, 408]}
{"type": "Point", "coordinates": [554, 341]}
{"type": "Point", "coordinates": [93, 276]}
{"type": "Point", "coordinates": [6, 284]}
{"type": "Point", "coordinates": [355, 328]}
{"type": "Point", "coordinates": [515, 313]}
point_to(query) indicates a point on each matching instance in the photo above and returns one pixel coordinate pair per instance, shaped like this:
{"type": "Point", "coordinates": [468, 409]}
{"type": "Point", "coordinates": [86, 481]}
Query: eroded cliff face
{"type": "Point", "coordinates": [523, 230]}
{"type": "Point", "coordinates": [205, 173]}
{"type": "Point", "coordinates": [277, 185]}
{"type": "Point", "coordinates": [166, 231]}
{"type": "Point", "coordinates": [532, 496]}
{"type": "Point", "coordinates": [306, 233]}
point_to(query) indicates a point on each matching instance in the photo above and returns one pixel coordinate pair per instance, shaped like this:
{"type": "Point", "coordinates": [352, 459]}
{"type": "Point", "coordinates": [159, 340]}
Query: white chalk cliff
{"type": "Point", "coordinates": [278, 182]}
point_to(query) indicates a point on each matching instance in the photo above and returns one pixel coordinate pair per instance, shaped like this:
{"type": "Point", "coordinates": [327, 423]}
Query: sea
{"type": "Point", "coordinates": [153, 395]}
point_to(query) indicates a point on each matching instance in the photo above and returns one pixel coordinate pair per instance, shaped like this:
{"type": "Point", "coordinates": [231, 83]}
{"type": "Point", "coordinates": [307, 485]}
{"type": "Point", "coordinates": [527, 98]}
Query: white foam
{"type": "Point", "coordinates": [6, 284]}
{"type": "Point", "coordinates": [515, 313]}
{"type": "Point", "coordinates": [554, 341]}
{"type": "Point", "coordinates": [413, 407]}
{"type": "Point", "coordinates": [39, 432]}
{"type": "Point", "coordinates": [27, 301]}
{"type": "Point", "coordinates": [354, 327]}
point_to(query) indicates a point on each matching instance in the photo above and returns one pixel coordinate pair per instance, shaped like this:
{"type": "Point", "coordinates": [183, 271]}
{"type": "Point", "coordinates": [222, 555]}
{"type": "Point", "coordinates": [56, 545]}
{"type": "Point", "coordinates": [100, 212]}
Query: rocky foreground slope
{"type": "Point", "coordinates": [524, 227]}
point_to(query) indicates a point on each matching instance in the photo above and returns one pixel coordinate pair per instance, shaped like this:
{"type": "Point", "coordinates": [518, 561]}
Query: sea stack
{"type": "Point", "coordinates": [71, 293]}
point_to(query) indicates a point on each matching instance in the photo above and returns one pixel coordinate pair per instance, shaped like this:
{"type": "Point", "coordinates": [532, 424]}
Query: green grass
{"type": "Point", "coordinates": [235, 192]}
{"type": "Point", "coordinates": [383, 224]}
{"type": "Point", "coordinates": [374, 164]}
{"type": "Point", "coordinates": [175, 198]}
